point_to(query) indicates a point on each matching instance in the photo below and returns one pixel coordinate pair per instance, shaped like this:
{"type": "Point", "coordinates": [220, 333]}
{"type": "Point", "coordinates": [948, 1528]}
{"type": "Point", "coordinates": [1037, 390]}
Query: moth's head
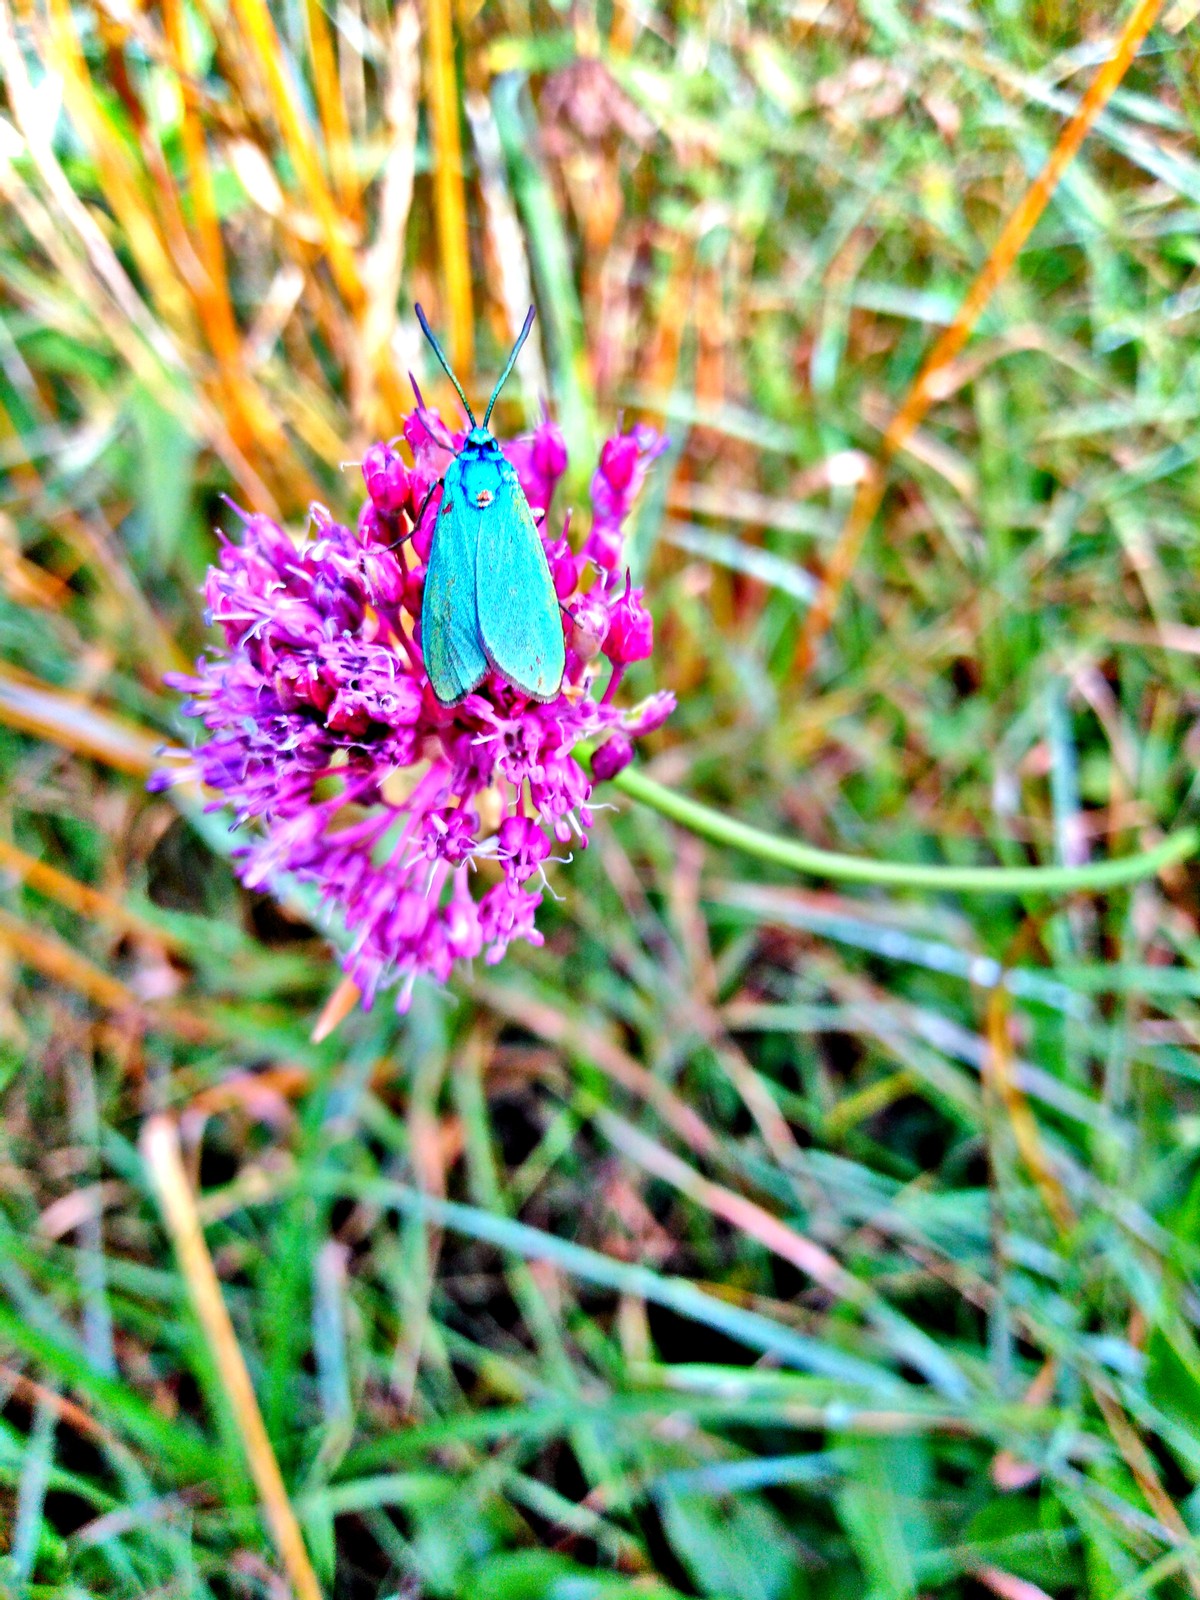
{"type": "Point", "coordinates": [481, 439]}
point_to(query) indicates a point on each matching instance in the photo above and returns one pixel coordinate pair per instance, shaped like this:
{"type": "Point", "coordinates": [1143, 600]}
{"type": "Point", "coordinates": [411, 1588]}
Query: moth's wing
{"type": "Point", "coordinates": [520, 624]}
{"type": "Point", "coordinates": [450, 642]}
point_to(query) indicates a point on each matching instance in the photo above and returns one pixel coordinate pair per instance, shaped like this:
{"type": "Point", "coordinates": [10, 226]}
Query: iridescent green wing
{"type": "Point", "coordinates": [450, 641]}
{"type": "Point", "coordinates": [520, 624]}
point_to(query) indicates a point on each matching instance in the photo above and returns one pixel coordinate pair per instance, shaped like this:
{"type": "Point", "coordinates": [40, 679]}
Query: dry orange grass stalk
{"type": "Point", "coordinates": [244, 375]}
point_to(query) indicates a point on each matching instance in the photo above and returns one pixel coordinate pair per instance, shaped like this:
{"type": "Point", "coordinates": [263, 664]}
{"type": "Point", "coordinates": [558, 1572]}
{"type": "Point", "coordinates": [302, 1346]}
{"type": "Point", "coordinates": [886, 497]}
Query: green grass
{"type": "Point", "coordinates": [749, 1240]}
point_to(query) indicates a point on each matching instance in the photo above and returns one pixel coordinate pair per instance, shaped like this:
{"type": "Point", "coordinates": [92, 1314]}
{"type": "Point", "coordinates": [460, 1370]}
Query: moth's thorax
{"type": "Point", "coordinates": [479, 471]}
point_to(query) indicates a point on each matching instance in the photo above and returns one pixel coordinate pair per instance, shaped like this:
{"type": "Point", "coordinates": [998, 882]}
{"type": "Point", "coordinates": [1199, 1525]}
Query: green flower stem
{"type": "Point", "coordinates": [801, 857]}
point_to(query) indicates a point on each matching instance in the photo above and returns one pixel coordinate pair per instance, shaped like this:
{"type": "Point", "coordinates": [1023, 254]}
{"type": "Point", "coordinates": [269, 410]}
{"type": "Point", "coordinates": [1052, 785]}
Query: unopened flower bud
{"type": "Point", "coordinates": [613, 756]}
{"type": "Point", "coordinates": [386, 478]}
{"type": "Point", "coordinates": [589, 625]}
{"type": "Point", "coordinates": [564, 567]}
{"type": "Point", "coordinates": [603, 545]}
{"type": "Point", "coordinates": [415, 429]}
{"type": "Point", "coordinates": [630, 629]}
{"type": "Point", "coordinates": [549, 450]}
{"type": "Point", "coordinates": [650, 714]}
{"type": "Point", "coordinates": [619, 459]}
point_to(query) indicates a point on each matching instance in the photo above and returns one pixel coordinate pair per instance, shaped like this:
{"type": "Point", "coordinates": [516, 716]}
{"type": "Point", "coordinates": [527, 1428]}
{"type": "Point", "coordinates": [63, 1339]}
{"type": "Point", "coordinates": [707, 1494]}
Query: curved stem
{"type": "Point", "coordinates": [832, 864]}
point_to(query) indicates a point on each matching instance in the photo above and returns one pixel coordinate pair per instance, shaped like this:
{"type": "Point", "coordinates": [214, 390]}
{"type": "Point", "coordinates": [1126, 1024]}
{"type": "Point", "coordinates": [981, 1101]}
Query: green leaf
{"type": "Point", "coordinates": [882, 1509]}
{"type": "Point", "coordinates": [734, 1549]}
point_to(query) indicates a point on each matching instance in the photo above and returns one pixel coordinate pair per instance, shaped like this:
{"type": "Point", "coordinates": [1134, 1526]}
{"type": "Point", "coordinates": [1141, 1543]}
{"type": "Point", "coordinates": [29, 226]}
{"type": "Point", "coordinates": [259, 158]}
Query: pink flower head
{"type": "Point", "coordinates": [323, 735]}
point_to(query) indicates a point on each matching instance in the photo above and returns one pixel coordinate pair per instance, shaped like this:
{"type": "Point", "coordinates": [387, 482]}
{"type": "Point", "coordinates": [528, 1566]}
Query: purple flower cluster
{"type": "Point", "coordinates": [426, 829]}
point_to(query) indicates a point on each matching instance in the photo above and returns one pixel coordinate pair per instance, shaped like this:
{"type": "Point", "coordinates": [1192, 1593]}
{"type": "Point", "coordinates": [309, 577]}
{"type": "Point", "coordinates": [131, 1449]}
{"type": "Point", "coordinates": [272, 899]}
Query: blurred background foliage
{"type": "Point", "coordinates": [776, 1242]}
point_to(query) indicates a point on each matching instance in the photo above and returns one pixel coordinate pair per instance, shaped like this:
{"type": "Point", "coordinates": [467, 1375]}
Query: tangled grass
{"type": "Point", "coordinates": [751, 1238]}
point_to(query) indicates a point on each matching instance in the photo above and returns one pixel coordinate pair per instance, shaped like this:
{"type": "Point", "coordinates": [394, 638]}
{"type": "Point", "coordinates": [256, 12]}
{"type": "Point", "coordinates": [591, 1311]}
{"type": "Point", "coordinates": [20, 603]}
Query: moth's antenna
{"type": "Point", "coordinates": [511, 362]}
{"type": "Point", "coordinates": [440, 354]}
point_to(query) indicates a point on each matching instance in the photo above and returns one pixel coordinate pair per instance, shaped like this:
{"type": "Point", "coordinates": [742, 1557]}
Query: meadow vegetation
{"type": "Point", "coordinates": [758, 1236]}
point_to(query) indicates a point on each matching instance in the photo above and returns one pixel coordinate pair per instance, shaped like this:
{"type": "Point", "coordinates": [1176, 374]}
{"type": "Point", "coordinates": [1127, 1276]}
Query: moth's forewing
{"type": "Point", "coordinates": [450, 640]}
{"type": "Point", "coordinates": [520, 625]}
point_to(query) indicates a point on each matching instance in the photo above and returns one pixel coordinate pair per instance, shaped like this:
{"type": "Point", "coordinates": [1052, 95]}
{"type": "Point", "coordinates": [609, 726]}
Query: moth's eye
{"type": "Point", "coordinates": [484, 497]}
{"type": "Point", "coordinates": [448, 508]}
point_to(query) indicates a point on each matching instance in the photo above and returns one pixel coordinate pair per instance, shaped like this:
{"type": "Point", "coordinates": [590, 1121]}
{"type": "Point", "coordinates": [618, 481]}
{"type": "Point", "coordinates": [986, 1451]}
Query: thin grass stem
{"type": "Point", "coordinates": [832, 864]}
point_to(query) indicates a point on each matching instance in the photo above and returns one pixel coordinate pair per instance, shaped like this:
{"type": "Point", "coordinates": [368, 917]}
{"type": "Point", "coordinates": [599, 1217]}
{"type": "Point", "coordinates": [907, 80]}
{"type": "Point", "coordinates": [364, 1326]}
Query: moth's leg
{"type": "Point", "coordinates": [405, 537]}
